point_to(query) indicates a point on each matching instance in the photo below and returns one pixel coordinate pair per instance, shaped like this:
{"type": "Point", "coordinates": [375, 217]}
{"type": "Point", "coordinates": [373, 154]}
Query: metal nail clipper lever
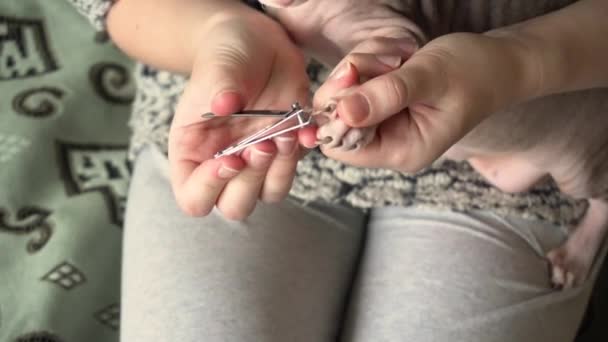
{"type": "Point", "coordinates": [291, 120]}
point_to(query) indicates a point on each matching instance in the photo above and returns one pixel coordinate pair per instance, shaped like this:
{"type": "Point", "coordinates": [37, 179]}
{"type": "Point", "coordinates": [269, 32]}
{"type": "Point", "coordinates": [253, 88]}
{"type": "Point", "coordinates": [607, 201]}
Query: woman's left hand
{"type": "Point", "coordinates": [430, 102]}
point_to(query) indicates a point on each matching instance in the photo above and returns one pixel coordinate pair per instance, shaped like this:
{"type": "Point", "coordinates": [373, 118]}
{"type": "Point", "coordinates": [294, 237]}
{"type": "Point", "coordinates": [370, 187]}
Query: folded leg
{"type": "Point", "coordinates": [282, 275]}
{"type": "Point", "coordinates": [445, 276]}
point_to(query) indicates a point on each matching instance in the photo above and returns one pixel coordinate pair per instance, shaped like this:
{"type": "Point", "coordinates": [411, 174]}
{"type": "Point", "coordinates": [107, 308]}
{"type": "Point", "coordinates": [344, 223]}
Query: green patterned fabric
{"type": "Point", "coordinates": [65, 96]}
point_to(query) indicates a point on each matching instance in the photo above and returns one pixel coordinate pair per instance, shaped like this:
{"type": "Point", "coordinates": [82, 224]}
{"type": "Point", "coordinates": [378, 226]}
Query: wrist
{"type": "Point", "coordinates": [167, 34]}
{"type": "Point", "coordinates": [565, 50]}
{"type": "Point", "coordinates": [529, 67]}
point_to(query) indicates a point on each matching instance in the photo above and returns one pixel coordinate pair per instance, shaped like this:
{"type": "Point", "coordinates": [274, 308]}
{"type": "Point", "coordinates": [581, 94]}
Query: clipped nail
{"type": "Point", "coordinates": [340, 71]}
{"type": "Point", "coordinates": [330, 107]}
{"type": "Point", "coordinates": [285, 145]}
{"type": "Point", "coordinates": [225, 172]}
{"type": "Point", "coordinates": [356, 107]}
{"type": "Point", "coordinates": [389, 60]}
{"type": "Point", "coordinates": [324, 141]}
{"type": "Point", "coordinates": [349, 147]}
{"type": "Point", "coordinates": [260, 158]}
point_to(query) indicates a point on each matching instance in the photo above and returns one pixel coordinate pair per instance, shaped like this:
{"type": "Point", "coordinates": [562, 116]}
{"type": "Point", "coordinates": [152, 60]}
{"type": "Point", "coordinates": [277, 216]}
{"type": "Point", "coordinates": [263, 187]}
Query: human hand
{"type": "Point", "coordinates": [244, 62]}
{"type": "Point", "coordinates": [427, 104]}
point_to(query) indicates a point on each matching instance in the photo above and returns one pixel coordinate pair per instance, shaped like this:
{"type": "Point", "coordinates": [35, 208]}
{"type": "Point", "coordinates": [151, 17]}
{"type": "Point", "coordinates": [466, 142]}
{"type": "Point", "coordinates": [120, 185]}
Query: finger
{"type": "Point", "coordinates": [204, 182]}
{"type": "Point", "coordinates": [371, 58]}
{"type": "Point", "coordinates": [239, 197]}
{"type": "Point", "coordinates": [406, 141]}
{"type": "Point", "coordinates": [404, 47]}
{"type": "Point", "coordinates": [307, 136]}
{"type": "Point", "coordinates": [282, 170]}
{"type": "Point", "coordinates": [351, 70]}
{"type": "Point", "coordinates": [220, 81]}
{"type": "Point", "coordinates": [291, 84]}
{"type": "Point", "coordinates": [219, 91]}
{"type": "Point", "coordinates": [222, 76]}
{"type": "Point", "coordinates": [288, 81]}
{"type": "Point", "coordinates": [420, 78]}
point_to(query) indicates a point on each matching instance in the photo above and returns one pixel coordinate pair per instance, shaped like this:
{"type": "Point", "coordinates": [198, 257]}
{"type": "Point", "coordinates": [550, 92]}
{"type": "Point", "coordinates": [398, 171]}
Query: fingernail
{"type": "Point", "coordinates": [260, 158]}
{"type": "Point", "coordinates": [349, 148]}
{"type": "Point", "coordinates": [285, 145]}
{"type": "Point", "coordinates": [407, 45]}
{"type": "Point", "coordinates": [356, 107]}
{"type": "Point", "coordinates": [225, 172]}
{"type": "Point", "coordinates": [226, 102]}
{"type": "Point", "coordinates": [340, 71]}
{"type": "Point", "coordinates": [330, 106]}
{"type": "Point", "coordinates": [389, 60]}
{"type": "Point", "coordinates": [325, 140]}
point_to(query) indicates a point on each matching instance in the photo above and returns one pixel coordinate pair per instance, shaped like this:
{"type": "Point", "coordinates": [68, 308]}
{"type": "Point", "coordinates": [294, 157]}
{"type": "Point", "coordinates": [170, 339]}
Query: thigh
{"type": "Point", "coordinates": [282, 275]}
{"type": "Point", "coordinates": [444, 276]}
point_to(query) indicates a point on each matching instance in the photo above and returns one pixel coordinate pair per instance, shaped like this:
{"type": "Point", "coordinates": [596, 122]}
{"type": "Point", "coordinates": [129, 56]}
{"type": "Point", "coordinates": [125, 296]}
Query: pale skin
{"type": "Point", "coordinates": [413, 110]}
{"type": "Point", "coordinates": [180, 35]}
{"type": "Point", "coordinates": [236, 58]}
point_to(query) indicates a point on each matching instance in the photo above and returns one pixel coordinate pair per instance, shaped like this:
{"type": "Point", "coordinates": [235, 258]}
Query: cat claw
{"type": "Point", "coordinates": [568, 270]}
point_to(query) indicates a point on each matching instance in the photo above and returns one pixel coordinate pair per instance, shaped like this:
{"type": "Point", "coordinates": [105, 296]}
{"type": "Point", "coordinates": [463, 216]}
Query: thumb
{"type": "Point", "coordinates": [419, 79]}
{"type": "Point", "coordinates": [227, 72]}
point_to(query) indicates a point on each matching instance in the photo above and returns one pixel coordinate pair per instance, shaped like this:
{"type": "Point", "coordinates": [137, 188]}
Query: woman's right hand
{"type": "Point", "coordinates": [245, 62]}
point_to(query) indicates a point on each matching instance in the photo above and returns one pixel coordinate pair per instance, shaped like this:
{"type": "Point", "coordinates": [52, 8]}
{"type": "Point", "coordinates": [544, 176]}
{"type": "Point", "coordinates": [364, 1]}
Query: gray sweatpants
{"type": "Point", "coordinates": [324, 273]}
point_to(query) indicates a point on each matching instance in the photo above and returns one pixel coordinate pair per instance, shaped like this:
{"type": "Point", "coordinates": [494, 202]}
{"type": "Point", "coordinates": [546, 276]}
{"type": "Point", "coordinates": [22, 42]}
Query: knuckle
{"type": "Point", "coordinates": [371, 45]}
{"type": "Point", "coordinates": [254, 177]}
{"type": "Point", "coordinates": [302, 92]}
{"type": "Point", "coordinates": [399, 162]}
{"type": "Point", "coordinates": [277, 191]}
{"type": "Point", "coordinates": [234, 213]}
{"type": "Point", "coordinates": [394, 89]}
{"type": "Point", "coordinates": [192, 207]}
{"type": "Point", "coordinates": [409, 168]}
{"type": "Point", "coordinates": [407, 162]}
{"type": "Point", "coordinates": [273, 196]}
{"type": "Point", "coordinates": [354, 58]}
